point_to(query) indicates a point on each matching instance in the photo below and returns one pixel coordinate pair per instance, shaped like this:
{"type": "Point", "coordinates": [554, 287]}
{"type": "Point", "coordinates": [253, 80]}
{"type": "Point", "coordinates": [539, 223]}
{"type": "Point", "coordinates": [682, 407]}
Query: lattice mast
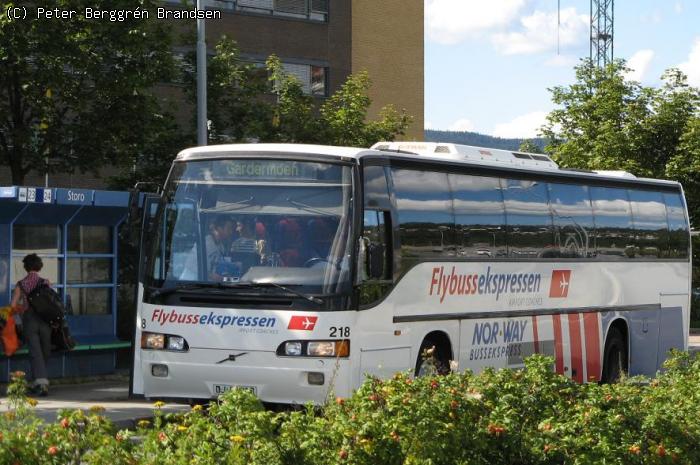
{"type": "Point", "coordinates": [602, 30]}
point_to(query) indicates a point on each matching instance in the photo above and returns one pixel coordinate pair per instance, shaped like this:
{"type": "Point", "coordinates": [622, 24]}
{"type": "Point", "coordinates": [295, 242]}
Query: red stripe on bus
{"type": "Point", "coordinates": [576, 350]}
{"type": "Point", "coordinates": [590, 327]}
{"type": "Point", "coordinates": [558, 350]}
{"type": "Point", "coordinates": [535, 337]}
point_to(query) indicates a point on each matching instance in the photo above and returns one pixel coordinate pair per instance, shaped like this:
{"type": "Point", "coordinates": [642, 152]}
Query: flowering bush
{"type": "Point", "coordinates": [531, 416]}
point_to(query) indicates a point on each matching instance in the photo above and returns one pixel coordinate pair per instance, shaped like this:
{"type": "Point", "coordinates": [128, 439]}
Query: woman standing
{"type": "Point", "coordinates": [37, 332]}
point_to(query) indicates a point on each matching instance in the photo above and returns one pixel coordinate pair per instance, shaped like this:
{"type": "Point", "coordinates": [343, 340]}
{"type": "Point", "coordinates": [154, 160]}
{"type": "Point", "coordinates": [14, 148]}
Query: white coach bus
{"type": "Point", "coordinates": [295, 270]}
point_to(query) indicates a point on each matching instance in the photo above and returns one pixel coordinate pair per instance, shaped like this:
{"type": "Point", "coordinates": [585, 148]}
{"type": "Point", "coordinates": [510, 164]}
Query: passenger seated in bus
{"type": "Point", "coordinates": [244, 249]}
{"type": "Point", "coordinates": [261, 241]}
{"type": "Point", "coordinates": [215, 246]}
{"type": "Point", "coordinates": [289, 242]}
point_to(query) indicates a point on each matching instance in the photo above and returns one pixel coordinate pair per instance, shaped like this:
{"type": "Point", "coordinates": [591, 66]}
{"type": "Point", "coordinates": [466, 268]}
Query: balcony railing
{"type": "Point", "coordinates": [315, 10]}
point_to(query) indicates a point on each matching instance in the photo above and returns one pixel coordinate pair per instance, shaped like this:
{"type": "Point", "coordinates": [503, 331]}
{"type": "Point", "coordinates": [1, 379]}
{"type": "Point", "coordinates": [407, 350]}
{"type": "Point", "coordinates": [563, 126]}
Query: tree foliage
{"type": "Point", "coordinates": [77, 93]}
{"type": "Point", "coordinates": [605, 121]}
{"type": "Point", "coordinates": [530, 146]}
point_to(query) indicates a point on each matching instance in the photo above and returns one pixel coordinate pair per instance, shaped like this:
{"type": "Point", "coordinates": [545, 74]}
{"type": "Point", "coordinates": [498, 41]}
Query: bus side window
{"type": "Point", "coordinates": [574, 230]}
{"type": "Point", "coordinates": [529, 219]}
{"type": "Point", "coordinates": [650, 223]}
{"type": "Point", "coordinates": [479, 216]}
{"type": "Point", "coordinates": [677, 225]}
{"type": "Point", "coordinates": [613, 221]}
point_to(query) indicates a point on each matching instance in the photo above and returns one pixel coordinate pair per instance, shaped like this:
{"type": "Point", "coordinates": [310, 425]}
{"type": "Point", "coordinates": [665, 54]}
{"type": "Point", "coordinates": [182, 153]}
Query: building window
{"type": "Point", "coordinates": [312, 78]}
{"type": "Point", "coordinates": [315, 10]}
{"type": "Point", "coordinates": [318, 81]}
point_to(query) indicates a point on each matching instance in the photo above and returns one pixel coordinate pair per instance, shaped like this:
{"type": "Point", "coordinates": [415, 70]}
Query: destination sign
{"type": "Point", "coordinates": [277, 170]}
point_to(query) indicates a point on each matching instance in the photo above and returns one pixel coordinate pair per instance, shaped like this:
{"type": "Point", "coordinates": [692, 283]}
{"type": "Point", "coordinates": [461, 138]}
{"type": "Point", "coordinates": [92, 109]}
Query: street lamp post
{"type": "Point", "coordinates": [201, 79]}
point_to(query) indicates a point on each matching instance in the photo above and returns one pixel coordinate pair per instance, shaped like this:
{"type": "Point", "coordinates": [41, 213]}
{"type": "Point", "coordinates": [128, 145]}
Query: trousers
{"type": "Point", "coordinates": [37, 334]}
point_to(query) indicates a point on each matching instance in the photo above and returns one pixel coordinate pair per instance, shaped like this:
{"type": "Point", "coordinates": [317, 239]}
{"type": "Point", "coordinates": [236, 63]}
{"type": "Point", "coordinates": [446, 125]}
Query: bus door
{"type": "Point", "coordinates": [143, 214]}
{"type": "Point", "coordinates": [384, 349]}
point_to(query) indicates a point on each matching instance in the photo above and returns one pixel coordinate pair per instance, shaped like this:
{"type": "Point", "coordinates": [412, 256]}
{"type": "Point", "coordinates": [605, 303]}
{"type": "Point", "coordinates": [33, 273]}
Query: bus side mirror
{"type": "Point", "coordinates": [375, 261]}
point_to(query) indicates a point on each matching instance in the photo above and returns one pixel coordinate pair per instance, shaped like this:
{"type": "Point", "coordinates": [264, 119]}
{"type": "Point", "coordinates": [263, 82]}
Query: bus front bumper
{"type": "Point", "coordinates": [207, 373]}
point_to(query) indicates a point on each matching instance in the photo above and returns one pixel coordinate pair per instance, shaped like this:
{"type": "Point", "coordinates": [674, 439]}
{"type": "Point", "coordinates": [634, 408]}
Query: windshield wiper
{"type": "Point", "coordinates": [253, 284]}
{"type": "Point", "coordinates": [187, 287]}
{"type": "Point", "coordinates": [240, 284]}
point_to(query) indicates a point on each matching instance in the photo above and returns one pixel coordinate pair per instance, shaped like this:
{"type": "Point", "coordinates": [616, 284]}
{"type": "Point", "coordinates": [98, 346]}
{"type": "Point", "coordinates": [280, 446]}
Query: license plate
{"type": "Point", "coordinates": [221, 388]}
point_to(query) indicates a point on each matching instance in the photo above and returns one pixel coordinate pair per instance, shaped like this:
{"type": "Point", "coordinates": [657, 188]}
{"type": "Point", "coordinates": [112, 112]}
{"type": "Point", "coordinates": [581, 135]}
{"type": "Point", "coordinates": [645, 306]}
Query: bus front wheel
{"type": "Point", "coordinates": [614, 356]}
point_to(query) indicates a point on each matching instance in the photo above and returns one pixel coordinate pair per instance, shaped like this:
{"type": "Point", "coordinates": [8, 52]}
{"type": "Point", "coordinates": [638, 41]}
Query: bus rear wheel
{"type": "Point", "coordinates": [614, 356]}
{"type": "Point", "coordinates": [432, 360]}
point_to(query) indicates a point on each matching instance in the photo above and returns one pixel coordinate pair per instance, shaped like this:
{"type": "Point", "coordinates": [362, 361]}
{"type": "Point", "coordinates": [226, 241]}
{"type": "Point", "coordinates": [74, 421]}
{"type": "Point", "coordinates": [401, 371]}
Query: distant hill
{"type": "Point", "coordinates": [479, 140]}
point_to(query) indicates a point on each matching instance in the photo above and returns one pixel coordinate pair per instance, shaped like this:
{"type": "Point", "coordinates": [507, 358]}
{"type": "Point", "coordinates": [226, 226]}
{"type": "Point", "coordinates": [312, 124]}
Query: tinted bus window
{"type": "Point", "coordinates": [613, 221]}
{"type": "Point", "coordinates": [479, 216]}
{"type": "Point", "coordinates": [574, 229]}
{"type": "Point", "coordinates": [650, 226]}
{"type": "Point", "coordinates": [426, 220]}
{"type": "Point", "coordinates": [677, 225]}
{"type": "Point", "coordinates": [376, 189]}
{"type": "Point", "coordinates": [529, 219]}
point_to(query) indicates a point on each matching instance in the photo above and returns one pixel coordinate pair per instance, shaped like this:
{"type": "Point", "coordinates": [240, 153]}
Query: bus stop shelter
{"type": "Point", "coordinates": [75, 232]}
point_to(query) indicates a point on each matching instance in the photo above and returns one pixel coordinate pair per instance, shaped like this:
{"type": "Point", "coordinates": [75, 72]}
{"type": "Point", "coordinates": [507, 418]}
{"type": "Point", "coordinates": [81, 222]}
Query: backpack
{"type": "Point", "coordinates": [47, 304]}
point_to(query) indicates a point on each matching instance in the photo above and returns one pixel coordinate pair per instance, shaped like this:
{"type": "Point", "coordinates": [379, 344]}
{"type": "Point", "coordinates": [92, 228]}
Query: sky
{"type": "Point", "coordinates": [489, 63]}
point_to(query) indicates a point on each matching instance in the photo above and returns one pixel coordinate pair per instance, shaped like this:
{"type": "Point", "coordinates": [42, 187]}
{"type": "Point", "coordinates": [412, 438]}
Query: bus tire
{"type": "Point", "coordinates": [614, 356]}
{"type": "Point", "coordinates": [437, 363]}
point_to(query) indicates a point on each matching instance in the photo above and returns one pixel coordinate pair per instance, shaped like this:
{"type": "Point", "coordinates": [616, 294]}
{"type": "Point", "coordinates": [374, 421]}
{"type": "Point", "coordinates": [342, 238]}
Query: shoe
{"type": "Point", "coordinates": [40, 390]}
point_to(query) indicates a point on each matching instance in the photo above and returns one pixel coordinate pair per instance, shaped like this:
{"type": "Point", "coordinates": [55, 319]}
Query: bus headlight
{"type": "Point", "coordinates": [176, 343]}
{"type": "Point", "coordinates": [159, 341]}
{"type": "Point", "coordinates": [335, 348]}
{"type": "Point", "coordinates": [292, 348]}
{"type": "Point", "coordinates": [321, 348]}
{"type": "Point", "coordinates": [155, 341]}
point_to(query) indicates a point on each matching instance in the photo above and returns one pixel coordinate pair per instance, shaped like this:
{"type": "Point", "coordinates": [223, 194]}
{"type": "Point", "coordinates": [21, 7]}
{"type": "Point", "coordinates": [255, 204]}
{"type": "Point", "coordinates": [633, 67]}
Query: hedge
{"type": "Point", "coordinates": [530, 416]}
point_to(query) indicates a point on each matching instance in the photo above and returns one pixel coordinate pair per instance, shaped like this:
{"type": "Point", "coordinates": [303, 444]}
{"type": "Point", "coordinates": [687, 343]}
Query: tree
{"type": "Point", "coordinates": [684, 166]}
{"type": "Point", "coordinates": [344, 116]}
{"type": "Point", "coordinates": [530, 146]}
{"type": "Point", "coordinates": [77, 92]}
{"type": "Point", "coordinates": [608, 122]}
{"type": "Point", "coordinates": [235, 109]}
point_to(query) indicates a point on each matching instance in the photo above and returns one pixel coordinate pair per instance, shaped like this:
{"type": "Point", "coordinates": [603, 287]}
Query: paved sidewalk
{"type": "Point", "coordinates": [113, 395]}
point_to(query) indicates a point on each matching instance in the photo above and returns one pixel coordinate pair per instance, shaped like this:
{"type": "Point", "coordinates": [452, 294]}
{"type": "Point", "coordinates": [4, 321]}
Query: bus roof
{"type": "Point", "coordinates": [427, 151]}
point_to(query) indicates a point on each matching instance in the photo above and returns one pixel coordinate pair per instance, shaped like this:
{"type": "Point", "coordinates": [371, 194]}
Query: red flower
{"type": "Point", "coordinates": [162, 437]}
{"type": "Point", "coordinates": [495, 429]}
{"type": "Point", "coordinates": [53, 450]}
{"type": "Point", "coordinates": [634, 450]}
{"type": "Point", "coordinates": [65, 423]}
{"type": "Point", "coordinates": [339, 400]}
{"type": "Point", "coordinates": [434, 384]}
{"type": "Point", "coordinates": [343, 454]}
{"type": "Point", "coordinates": [661, 450]}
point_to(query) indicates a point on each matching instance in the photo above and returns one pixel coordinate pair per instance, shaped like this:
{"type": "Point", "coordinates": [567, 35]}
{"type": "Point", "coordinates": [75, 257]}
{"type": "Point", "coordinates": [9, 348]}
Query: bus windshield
{"type": "Point", "coordinates": [262, 222]}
